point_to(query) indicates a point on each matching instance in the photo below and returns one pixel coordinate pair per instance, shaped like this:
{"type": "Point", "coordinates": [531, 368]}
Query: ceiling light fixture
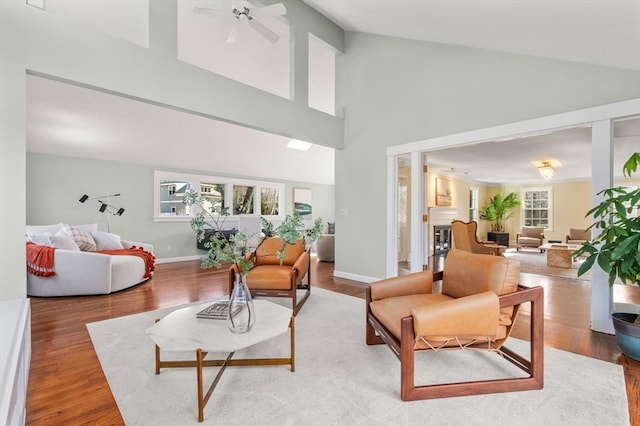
{"type": "Point", "coordinates": [301, 145]}
{"type": "Point", "coordinates": [546, 171]}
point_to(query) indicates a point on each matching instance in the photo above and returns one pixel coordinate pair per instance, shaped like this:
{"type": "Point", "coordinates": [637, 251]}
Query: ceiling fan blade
{"type": "Point", "coordinates": [237, 4]}
{"type": "Point", "coordinates": [210, 11]}
{"type": "Point", "coordinates": [233, 33]}
{"type": "Point", "coordinates": [266, 32]}
{"type": "Point", "coordinates": [277, 9]}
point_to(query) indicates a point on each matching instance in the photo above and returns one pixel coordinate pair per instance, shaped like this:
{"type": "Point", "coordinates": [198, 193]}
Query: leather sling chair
{"type": "Point", "coordinates": [475, 309]}
{"type": "Point", "coordinates": [270, 278]}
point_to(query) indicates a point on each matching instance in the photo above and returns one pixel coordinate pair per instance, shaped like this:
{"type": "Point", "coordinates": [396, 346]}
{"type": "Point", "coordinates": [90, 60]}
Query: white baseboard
{"type": "Point", "coordinates": [178, 259]}
{"type": "Point", "coordinates": [628, 308]}
{"type": "Point", "coordinates": [354, 277]}
{"type": "Point", "coordinates": [346, 275]}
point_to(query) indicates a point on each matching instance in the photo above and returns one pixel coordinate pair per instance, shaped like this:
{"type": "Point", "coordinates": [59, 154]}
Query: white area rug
{"type": "Point", "coordinates": [339, 380]}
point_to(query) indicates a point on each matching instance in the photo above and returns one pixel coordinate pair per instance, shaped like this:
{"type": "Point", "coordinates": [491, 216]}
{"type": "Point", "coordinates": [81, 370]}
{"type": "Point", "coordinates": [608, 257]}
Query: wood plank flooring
{"type": "Point", "coordinates": [67, 385]}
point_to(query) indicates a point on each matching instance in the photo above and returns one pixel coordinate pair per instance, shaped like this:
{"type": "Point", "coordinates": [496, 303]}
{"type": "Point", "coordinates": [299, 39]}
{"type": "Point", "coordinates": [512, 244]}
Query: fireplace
{"type": "Point", "coordinates": [441, 239]}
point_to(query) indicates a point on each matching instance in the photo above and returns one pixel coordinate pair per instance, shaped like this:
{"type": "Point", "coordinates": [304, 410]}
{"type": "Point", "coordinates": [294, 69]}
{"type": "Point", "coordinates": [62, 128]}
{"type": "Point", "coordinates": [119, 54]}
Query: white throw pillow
{"type": "Point", "coordinates": [88, 228]}
{"type": "Point", "coordinates": [107, 241]}
{"type": "Point", "coordinates": [42, 229]}
{"type": "Point", "coordinates": [40, 239]}
{"type": "Point", "coordinates": [63, 242]}
{"type": "Point", "coordinates": [83, 240]}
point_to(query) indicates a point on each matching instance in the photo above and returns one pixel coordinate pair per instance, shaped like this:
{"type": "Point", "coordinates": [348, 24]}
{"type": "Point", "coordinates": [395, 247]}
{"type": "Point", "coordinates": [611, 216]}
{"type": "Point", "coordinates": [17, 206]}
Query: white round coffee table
{"type": "Point", "coordinates": [181, 330]}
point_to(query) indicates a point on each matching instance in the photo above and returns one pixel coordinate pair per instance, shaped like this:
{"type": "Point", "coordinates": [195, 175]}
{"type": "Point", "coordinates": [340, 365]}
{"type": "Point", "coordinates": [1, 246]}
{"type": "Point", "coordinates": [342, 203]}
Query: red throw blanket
{"type": "Point", "coordinates": [149, 258]}
{"type": "Point", "coordinates": [40, 260]}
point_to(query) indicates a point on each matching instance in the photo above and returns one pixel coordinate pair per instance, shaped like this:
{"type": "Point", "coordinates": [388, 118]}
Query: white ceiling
{"type": "Point", "coordinates": [515, 161]}
{"type": "Point", "coordinates": [69, 120]}
{"type": "Point", "coordinates": [602, 32]}
{"type": "Point", "coordinates": [64, 119]}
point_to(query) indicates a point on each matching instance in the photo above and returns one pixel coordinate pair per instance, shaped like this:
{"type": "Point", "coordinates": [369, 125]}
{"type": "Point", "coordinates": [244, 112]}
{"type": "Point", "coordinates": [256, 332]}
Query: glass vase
{"type": "Point", "coordinates": [241, 315]}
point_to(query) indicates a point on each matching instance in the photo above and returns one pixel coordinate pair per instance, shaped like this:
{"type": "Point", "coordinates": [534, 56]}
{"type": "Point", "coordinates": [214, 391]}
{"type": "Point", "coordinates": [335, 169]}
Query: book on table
{"type": "Point", "coordinates": [219, 310]}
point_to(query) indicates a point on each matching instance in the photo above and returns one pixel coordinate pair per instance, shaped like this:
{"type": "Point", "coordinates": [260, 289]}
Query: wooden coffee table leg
{"type": "Point", "coordinates": [293, 344]}
{"type": "Point", "coordinates": [201, 402]}
{"type": "Point", "coordinates": [202, 398]}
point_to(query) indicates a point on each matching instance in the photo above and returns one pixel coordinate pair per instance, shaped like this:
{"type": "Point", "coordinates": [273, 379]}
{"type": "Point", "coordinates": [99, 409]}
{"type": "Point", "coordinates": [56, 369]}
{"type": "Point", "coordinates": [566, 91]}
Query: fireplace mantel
{"type": "Point", "coordinates": [442, 215]}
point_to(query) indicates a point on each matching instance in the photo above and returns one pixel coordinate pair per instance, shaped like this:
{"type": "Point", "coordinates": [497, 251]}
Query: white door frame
{"type": "Point", "coordinates": [599, 117]}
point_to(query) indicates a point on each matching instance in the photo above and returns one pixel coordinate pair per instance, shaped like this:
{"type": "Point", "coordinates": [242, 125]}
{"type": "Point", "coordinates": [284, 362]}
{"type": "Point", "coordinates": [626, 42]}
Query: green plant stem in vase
{"type": "Point", "coordinates": [291, 230]}
{"type": "Point", "coordinates": [220, 247]}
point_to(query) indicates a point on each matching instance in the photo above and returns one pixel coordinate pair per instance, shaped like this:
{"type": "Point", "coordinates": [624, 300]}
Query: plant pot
{"type": "Point", "coordinates": [208, 233]}
{"type": "Point", "coordinates": [627, 334]}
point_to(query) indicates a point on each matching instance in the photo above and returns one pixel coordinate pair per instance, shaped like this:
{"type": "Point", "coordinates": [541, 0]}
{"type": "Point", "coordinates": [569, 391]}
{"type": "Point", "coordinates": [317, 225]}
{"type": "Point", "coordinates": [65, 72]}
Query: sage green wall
{"type": "Point", "coordinates": [32, 40]}
{"type": "Point", "coordinates": [398, 91]}
{"type": "Point", "coordinates": [55, 183]}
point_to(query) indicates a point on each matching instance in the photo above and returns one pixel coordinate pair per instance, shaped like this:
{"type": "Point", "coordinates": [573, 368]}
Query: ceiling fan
{"type": "Point", "coordinates": [245, 13]}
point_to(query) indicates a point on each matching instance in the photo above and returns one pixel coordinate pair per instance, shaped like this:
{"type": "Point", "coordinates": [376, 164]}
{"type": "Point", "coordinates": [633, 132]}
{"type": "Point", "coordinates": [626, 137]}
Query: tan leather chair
{"type": "Point", "coordinates": [578, 236]}
{"type": "Point", "coordinates": [530, 236]}
{"type": "Point", "coordinates": [465, 238]}
{"type": "Point", "coordinates": [270, 278]}
{"type": "Point", "coordinates": [475, 309]}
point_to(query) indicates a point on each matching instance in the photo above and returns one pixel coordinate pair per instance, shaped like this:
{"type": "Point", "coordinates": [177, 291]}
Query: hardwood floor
{"type": "Point", "coordinates": [67, 385]}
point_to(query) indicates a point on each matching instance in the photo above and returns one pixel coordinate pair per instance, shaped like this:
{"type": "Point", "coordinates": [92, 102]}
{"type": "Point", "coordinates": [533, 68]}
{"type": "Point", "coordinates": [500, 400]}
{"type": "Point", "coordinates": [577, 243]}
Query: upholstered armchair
{"type": "Point", "coordinates": [578, 236]}
{"type": "Point", "coordinates": [475, 310]}
{"type": "Point", "coordinates": [465, 238]}
{"type": "Point", "coordinates": [530, 236]}
{"type": "Point", "coordinates": [270, 278]}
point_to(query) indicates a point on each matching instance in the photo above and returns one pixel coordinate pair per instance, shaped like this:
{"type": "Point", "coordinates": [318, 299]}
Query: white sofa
{"type": "Point", "coordinates": [84, 272]}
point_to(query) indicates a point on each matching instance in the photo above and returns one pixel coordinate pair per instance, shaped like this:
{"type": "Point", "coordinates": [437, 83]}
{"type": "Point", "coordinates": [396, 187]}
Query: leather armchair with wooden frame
{"type": "Point", "coordinates": [271, 278]}
{"type": "Point", "coordinates": [475, 309]}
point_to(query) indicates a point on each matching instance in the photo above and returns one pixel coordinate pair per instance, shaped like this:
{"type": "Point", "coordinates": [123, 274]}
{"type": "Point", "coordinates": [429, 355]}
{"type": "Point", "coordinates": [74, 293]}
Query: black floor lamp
{"type": "Point", "coordinates": [105, 207]}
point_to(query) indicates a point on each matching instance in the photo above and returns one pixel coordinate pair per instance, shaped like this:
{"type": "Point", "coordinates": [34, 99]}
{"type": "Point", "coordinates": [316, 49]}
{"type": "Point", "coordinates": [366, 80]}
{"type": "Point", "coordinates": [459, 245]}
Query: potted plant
{"type": "Point", "coordinates": [617, 250]}
{"type": "Point", "coordinates": [231, 246]}
{"type": "Point", "coordinates": [498, 209]}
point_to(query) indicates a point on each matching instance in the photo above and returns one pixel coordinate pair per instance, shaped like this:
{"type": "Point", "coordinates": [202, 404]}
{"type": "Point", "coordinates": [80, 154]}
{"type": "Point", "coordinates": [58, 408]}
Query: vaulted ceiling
{"type": "Point", "coordinates": [602, 32]}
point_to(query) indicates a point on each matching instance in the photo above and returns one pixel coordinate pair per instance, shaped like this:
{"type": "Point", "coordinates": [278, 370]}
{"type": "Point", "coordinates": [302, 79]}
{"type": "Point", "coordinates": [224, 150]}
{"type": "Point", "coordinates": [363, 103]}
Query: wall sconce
{"type": "Point", "coordinates": [546, 170]}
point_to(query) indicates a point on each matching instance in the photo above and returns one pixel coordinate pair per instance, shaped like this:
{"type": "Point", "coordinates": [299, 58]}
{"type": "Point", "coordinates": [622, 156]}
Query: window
{"type": "Point", "coordinates": [473, 204]}
{"type": "Point", "coordinates": [213, 193]}
{"type": "Point", "coordinates": [269, 201]}
{"type": "Point", "coordinates": [537, 207]}
{"type": "Point", "coordinates": [243, 199]}
{"type": "Point", "coordinates": [171, 196]}
{"type": "Point", "coordinates": [322, 75]}
{"type": "Point", "coordinates": [240, 196]}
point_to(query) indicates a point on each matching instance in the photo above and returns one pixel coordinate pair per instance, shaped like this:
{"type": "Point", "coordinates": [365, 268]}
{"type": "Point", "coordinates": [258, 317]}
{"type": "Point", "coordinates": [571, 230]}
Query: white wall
{"type": "Point", "coordinates": [398, 91]}
{"type": "Point", "coordinates": [34, 40]}
{"type": "Point", "coordinates": [55, 183]}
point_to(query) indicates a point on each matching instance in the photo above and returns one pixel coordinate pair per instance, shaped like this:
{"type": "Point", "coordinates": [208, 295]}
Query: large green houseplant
{"type": "Point", "coordinates": [498, 209]}
{"type": "Point", "coordinates": [616, 249]}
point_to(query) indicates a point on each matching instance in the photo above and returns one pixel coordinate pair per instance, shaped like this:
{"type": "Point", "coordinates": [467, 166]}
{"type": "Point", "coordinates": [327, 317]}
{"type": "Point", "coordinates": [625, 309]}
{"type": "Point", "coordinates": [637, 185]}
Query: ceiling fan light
{"type": "Point", "coordinates": [546, 170]}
